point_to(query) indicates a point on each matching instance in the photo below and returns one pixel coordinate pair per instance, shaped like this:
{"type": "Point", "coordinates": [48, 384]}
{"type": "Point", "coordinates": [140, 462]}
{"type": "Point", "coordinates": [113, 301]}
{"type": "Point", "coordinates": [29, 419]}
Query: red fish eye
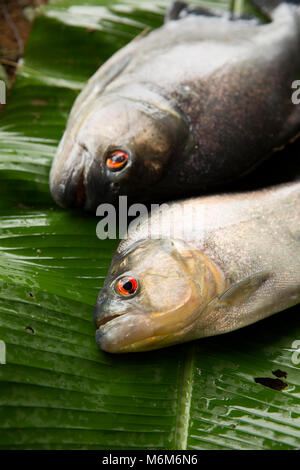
{"type": "Point", "coordinates": [117, 160]}
{"type": "Point", "coordinates": [127, 286]}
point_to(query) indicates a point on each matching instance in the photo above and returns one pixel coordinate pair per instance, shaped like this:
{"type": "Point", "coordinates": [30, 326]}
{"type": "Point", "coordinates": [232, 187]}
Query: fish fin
{"type": "Point", "coordinates": [179, 10]}
{"type": "Point", "coordinates": [237, 307]}
{"type": "Point", "coordinates": [242, 290]}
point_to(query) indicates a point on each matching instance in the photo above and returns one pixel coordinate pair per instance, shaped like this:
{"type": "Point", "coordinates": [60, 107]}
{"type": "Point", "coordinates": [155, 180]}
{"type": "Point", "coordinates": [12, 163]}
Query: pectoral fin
{"type": "Point", "coordinates": [240, 291]}
{"type": "Point", "coordinates": [235, 308]}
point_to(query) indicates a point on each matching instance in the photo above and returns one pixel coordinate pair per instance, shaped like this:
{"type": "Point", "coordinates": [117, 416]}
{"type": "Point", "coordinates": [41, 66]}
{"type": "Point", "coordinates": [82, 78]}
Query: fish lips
{"type": "Point", "coordinates": [67, 185]}
{"type": "Point", "coordinates": [125, 333]}
{"type": "Point", "coordinates": [69, 191]}
{"type": "Point", "coordinates": [80, 183]}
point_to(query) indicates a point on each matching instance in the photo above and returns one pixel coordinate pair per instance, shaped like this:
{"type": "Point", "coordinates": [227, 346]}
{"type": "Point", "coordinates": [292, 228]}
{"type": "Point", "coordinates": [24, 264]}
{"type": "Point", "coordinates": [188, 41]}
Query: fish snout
{"type": "Point", "coordinates": [103, 318]}
{"type": "Point", "coordinates": [125, 333]}
{"type": "Point", "coordinates": [119, 326]}
{"type": "Point", "coordinates": [69, 192]}
{"type": "Point", "coordinates": [67, 175]}
{"type": "Point", "coordinates": [102, 311]}
{"type": "Point", "coordinates": [77, 180]}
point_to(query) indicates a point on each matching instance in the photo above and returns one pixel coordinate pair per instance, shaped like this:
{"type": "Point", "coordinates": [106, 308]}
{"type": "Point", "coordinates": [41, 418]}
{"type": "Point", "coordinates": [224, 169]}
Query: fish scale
{"type": "Point", "coordinates": [238, 263]}
{"type": "Point", "coordinates": [194, 105]}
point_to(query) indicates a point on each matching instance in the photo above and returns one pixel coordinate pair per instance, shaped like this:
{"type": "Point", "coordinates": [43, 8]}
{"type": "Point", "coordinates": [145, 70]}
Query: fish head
{"type": "Point", "coordinates": [114, 147]}
{"type": "Point", "coordinates": [153, 296]}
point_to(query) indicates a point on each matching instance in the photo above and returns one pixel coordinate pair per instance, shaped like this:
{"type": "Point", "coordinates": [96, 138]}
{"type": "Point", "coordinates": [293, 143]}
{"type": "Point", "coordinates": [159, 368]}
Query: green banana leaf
{"type": "Point", "coordinates": [57, 389]}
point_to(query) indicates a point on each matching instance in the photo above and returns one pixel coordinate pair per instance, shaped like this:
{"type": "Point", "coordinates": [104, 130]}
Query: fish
{"type": "Point", "coordinates": [183, 110]}
{"type": "Point", "coordinates": [202, 267]}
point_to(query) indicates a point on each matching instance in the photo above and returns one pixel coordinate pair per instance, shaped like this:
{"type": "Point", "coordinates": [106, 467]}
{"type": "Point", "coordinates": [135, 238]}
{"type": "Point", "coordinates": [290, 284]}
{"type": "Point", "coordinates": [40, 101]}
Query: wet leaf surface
{"type": "Point", "coordinates": [57, 390]}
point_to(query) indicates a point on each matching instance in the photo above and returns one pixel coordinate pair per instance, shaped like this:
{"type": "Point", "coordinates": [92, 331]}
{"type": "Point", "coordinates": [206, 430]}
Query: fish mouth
{"type": "Point", "coordinates": [129, 332]}
{"type": "Point", "coordinates": [67, 176]}
{"type": "Point", "coordinates": [104, 320]}
{"type": "Point", "coordinates": [80, 197]}
{"type": "Point", "coordinates": [70, 192]}
{"type": "Point", "coordinates": [115, 333]}
{"type": "Point", "coordinates": [80, 181]}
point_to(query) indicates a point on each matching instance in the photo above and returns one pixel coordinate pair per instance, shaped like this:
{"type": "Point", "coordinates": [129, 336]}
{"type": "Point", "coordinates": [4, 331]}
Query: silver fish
{"type": "Point", "coordinates": [189, 107]}
{"type": "Point", "coordinates": [237, 262]}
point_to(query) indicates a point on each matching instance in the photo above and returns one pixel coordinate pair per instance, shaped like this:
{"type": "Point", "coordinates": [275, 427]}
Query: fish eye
{"type": "Point", "coordinates": [127, 286]}
{"type": "Point", "coordinates": [116, 160]}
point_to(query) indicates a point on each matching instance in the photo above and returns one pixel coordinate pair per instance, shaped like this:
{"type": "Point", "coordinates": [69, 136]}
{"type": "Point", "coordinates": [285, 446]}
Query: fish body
{"type": "Point", "coordinates": [189, 107]}
{"type": "Point", "coordinates": [202, 267]}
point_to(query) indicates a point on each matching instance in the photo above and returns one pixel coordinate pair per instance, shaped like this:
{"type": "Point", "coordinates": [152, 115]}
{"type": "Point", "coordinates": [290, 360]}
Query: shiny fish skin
{"type": "Point", "coordinates": [238, 264]}
{"type": "Point", "coordinates": [186, 129]}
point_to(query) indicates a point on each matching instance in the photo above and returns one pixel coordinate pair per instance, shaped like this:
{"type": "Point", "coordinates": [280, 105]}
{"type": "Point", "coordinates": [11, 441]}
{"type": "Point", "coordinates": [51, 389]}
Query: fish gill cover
{"type": "Point", "coordinates": [57, 390]}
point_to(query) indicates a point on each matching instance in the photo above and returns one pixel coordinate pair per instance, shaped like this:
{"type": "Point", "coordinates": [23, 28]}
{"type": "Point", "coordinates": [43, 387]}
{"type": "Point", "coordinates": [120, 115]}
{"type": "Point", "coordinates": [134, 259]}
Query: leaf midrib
{"type": "Point", "coordinates": [185, 391]}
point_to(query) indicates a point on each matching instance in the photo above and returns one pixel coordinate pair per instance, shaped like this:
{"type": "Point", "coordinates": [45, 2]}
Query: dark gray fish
{"type": "Point", "coordinates": [189, 107]}
{"type": "Point", "coordinates": [202, 267]}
